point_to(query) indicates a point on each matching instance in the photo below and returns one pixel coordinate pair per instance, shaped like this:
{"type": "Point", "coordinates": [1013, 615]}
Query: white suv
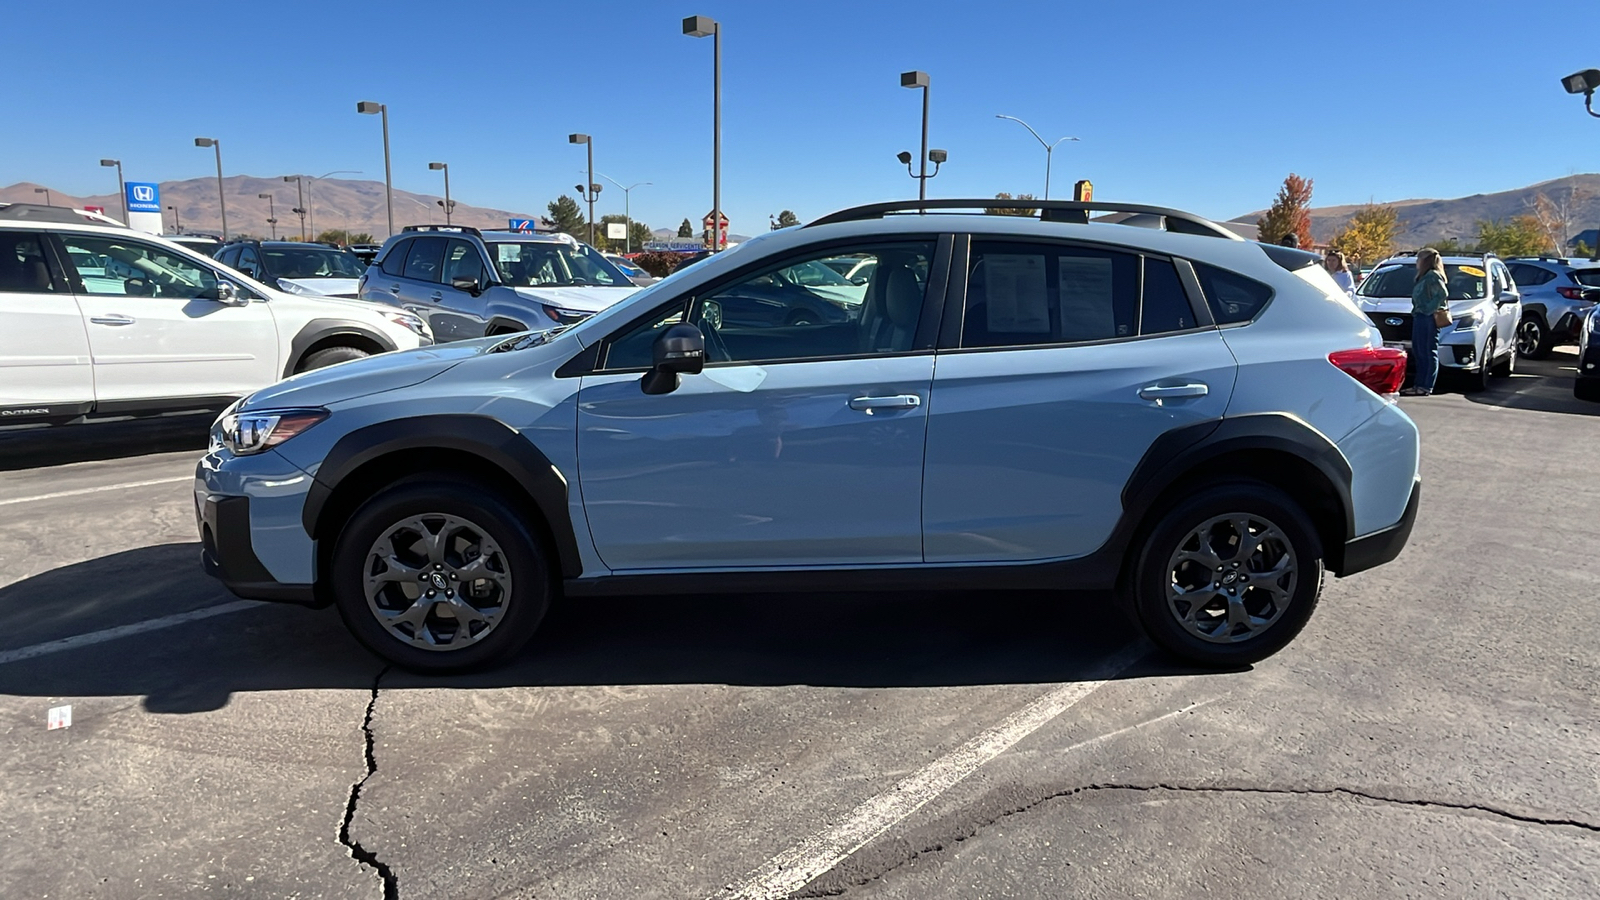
{"type": "Point", "coordinates": [103, 321]}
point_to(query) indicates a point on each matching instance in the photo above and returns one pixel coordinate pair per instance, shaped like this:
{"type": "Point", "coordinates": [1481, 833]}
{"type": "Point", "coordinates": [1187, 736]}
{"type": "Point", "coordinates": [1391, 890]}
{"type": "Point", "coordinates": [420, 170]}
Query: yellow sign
{"type": "Point", "coordinates": [1473, 270]}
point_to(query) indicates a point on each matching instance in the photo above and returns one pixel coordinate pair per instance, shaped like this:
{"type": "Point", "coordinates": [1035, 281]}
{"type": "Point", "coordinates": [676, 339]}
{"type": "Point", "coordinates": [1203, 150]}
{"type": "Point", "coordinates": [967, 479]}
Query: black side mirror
{"type": "Point", "coordinates": [680, 350]}
{"type": "Point", "coordinates": [470, 285]}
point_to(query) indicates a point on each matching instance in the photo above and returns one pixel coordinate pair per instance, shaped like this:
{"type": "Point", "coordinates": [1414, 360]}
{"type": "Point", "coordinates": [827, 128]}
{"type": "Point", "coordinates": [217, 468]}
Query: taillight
{"type": "Point", "coordinates": [1571, 293]}
{"type": "Point", "coordinates": [1382, 369]}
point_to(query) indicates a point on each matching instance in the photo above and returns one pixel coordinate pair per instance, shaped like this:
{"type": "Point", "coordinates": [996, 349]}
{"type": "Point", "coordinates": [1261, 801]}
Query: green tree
{"type": "Point", "coordinates": [639, 234]}
{"type": "Point", "coordinates": [686, 230]}
{"type": "Point", "coordinates": [344, 238]}
{"type": "Point", "coordinates": [787, 218]}
{"type": "Point", "coordinates": [1000, 211]}
{"type": "Point", "coordinates": [1369, 235]}
{"type": "Point", "coordinates": [1521, 236]}
{"type": "Point", "coordinates": [1452, 247]}
{"type": "Point", "coordinates": [567, 217]}
{"type": "Point", "coordinates": [1290, 213]}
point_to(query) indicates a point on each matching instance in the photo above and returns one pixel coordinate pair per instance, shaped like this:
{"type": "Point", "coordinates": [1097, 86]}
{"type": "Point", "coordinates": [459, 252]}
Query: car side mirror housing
{"type": "Point", "coordinates": [228, 294]}
{"type": "Point", "coordinates": [680, 350]}
{"type": "Point", "coordinates": [470, 285]}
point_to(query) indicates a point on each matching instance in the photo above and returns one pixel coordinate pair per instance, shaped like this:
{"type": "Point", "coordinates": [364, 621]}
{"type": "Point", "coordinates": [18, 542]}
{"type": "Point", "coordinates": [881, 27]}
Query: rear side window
{"type": "Point", "coordinates": [1020, 294]}
{"type": "Point", "coordinates": [425, 259]}
{"type": "Point", "coordinates": [1529, 276]}
{"type": "Point", "coordinates": [394, 263]}
{"type": "Point", "coordinates": [22, 266]}
{"type": "Point", "coordinates": [1165, 306]}
{"type": "Point", "coordinates": [1232, 298]}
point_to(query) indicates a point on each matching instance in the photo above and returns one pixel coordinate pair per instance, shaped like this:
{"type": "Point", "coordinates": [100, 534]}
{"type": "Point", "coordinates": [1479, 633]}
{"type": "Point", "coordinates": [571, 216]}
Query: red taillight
{"type": "Point", "coordinates": [1383, 369]}
{"type": "Point", "coordinates": [1571, 293]}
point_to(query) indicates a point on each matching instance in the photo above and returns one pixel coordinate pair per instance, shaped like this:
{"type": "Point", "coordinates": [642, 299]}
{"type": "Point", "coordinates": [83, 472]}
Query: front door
{"type": "Point", "coordinates": [799, 445]}
{"type": "Point", "coordinates": [44, 352]}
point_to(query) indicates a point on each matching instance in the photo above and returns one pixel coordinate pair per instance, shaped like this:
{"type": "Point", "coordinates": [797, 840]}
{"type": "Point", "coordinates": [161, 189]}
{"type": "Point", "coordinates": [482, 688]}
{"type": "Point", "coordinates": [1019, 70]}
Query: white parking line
{"type": "Point", "coordinates": [794, 868]}
{"type": "Point", "coordinates": [122, 631]}
{"type": "Point", "coordinates": [95, 490]}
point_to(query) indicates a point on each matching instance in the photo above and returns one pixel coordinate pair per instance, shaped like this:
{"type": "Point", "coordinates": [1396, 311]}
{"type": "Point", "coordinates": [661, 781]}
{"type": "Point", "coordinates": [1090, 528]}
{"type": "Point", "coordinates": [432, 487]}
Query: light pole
{"type": "Point", "coordinates": [920, 80]}
{"type": "Point", "coordinates": [368, 107]}
{"type": "Point", "coordinates": [272, 214]}
{"type": "Point", "coordinates": [300, 200]}
{"type": "Point", "coordinates": [627, 207]}
{"type": "Point", "coordinates": [311, 202]}
{"type": "Point", "coordinates": [436, 166]}
{"type": "Point", "coordinates": [46, 193]}
{"type": "Point", "coordinates": [1049, 149]}
{"type": "Point", "coordinates": [121, 188]}
{"type": "Point", "coordinates": [222, 202]}
{"type": "Point", "coordinates": [592, 193]}
{"type": "Point", "coordinates": [177, 221]}
{"type": "Point", "coordinates": [703, 26]}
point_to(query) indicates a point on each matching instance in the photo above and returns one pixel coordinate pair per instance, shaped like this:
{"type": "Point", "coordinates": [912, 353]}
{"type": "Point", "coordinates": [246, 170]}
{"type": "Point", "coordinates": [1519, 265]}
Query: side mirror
{"type": "Point", "coordinates": [680, 350]}
{"type": "Point", "coordinates": [228, 295]}
{"type": "Point", "coordinates": [470, 285]}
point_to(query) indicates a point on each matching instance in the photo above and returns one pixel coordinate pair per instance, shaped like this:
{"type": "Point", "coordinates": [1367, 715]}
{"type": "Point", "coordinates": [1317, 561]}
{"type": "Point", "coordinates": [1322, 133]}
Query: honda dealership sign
{"type": "Point", "coordinates": [144, 207]}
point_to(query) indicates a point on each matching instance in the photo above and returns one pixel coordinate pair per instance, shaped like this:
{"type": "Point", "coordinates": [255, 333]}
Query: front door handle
{"type": "Point", "coordinates": [113, 319]}
{"type": "Point", "coordinates": [899, 401]}
{"type": "Point", "coordinates": [436, 296]}
{"type": "Point", "coordinates": [1172, 391]}
{"type": "Point", "coordinates": [394, 289]}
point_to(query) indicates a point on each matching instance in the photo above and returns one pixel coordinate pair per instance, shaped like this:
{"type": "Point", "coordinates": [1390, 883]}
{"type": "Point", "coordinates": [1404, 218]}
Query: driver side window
{"type": "Point", "coordinates": [134, 268]}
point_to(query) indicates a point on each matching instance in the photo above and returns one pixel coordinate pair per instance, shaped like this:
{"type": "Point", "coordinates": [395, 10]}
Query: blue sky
{"type": "Point", "coordinates": [1204, 106]}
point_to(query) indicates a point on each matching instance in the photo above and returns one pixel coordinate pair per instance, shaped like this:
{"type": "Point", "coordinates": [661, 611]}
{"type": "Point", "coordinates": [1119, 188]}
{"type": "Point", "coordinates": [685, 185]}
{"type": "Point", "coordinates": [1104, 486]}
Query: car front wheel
{"type": "Point", "coordinates": [440, 576]}
{"type": "Point", "coordinates": [1229, 576]}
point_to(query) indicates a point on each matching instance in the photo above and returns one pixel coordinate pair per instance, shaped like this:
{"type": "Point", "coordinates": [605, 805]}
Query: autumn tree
{"type": "Point", "coordinates": [1369, 235]}
{"type": "Point", "coordinates": [685, 230]}
{"type": "Point", "coordinates": [1557, 215]}
{"type": "Point", "coordinates": [1004, 211]}
{"type": "Point", "coordinates": [1290, 213]}
{"type": "Point", "coordinates": [1521, 236]}
{"type": "Point", "coordinates": [567, 217]}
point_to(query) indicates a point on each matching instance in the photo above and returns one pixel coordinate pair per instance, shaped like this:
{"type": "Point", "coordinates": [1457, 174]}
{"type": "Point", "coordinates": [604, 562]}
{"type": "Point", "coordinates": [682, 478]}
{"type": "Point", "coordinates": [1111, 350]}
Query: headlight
{"type": "Point", "coordinates": [252, 432]}
{"type": "Point", "coordinates": [1472, 321]}
{"type": "Point", "coordinates": [563, 316]}
{"type": "Point", "coordinates": [412, 323]}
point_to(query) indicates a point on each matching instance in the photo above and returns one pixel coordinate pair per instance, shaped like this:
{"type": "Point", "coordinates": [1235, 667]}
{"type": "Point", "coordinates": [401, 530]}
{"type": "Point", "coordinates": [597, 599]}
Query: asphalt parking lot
{"type": "Point", "coordinates": [1432, 733]}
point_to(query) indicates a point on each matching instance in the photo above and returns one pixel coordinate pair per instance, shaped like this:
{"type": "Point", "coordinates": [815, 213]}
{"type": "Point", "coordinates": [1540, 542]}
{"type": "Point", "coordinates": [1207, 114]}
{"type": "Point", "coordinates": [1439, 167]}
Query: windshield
{"type": "Point", "coordinates": [1466, 282]}
{"type": "Point", "coordinates": [553, 264]}
{"type": "Point", "coordinates": [312, 262]}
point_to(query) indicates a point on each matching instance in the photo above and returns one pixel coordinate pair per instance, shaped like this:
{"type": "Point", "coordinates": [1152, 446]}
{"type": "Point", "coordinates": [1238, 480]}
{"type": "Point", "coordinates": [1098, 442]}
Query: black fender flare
{"type": "Point", "coordinates": [318, 329]}
{"type": "Point", "coordinates": [489, 439]}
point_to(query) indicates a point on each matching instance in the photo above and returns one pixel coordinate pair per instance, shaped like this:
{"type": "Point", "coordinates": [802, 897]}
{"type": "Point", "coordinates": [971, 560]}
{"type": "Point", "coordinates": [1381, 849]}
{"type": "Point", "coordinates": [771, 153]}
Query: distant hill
{"type": "Point", "coordinates": [1423, 221]}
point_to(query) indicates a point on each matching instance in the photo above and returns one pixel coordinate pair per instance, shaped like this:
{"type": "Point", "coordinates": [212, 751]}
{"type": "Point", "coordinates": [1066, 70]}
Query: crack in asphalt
{"type": "Point", "coordinates": [391, 884]}
{"type": "Point", "coordinates": [939, 846]}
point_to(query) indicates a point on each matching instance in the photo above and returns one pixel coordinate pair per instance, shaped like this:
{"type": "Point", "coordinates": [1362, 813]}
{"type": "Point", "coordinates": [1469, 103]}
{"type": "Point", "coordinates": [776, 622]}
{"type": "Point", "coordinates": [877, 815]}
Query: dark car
{"type": "Point", "coordinates": [808, 293]}
{"type": "Point", "coordinates": [298, 267]}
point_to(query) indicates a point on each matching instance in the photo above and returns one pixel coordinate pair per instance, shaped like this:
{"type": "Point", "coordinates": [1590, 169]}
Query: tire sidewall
{"type": "Point", "coordinates": [530, 573]}
{"type": "Point", "coordinates": [329, 356]}
{"type": "Point", "coordinates": [1150, 576]}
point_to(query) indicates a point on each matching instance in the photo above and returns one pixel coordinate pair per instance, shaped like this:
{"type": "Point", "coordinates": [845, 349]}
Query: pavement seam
{"type": "Point", "coordinates": [391, 884]}
{"type": "Point", "coordinates": [973, 829]}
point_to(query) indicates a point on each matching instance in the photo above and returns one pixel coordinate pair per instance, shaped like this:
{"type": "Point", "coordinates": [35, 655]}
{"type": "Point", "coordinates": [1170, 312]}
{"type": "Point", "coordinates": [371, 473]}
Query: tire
{"type": "Point", "coordinates": [1479, 381]}
{"type": "Point", "coordinates": [329, 356]}
{"type": "Point", "coordinates": [477, 533]}
{"type": "Point", "coordinates": [1175, 555]}
{"type": "Point", "coordinates": [1587, 389]}
{"type": "Point", "coordinates": [1533, 339]}
{"type": "Point", "coordinates": [1508, 366]}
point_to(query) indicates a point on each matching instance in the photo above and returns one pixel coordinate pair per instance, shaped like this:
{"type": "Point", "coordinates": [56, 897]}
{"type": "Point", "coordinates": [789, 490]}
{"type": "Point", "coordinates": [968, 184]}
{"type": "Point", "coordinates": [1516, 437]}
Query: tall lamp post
{"type": "Point", "coordinates": [300, 201]}
{"type": "Point", "coordinates": [46, 193]}
{"type": "Point", "coordinates": [222, 203]}
{"type": "Point", "coordinates": [272, 214]}
{"type": "Point", "coordinates": [705, 26]}
{"type": "Point", "coordinates": [368, 107]}
{"type": "Point", "coordinates": [311, 202]}
{"type": "Point", "coordinates": [177, 221]}
{"type": "Point", "coordinates": [1049, 149]}
{"type": "Point", "coordinates": [121, 187]}
{"type": "Point", "coordinates": [436, 166]}
{"type": "Point", "coordinates": [920, 80]}
{"type": "Point", "coordinates": [592, 193]}
{"type": "Point", "coordinates": [627, 207]}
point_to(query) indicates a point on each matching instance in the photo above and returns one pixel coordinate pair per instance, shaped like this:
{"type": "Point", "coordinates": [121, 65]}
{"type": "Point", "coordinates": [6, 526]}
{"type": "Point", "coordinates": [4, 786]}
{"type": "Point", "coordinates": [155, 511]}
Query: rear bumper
{"type": "Point", "coordinates": [1372, 550]}
{"type": "Point", "coordinates": [227, 555]}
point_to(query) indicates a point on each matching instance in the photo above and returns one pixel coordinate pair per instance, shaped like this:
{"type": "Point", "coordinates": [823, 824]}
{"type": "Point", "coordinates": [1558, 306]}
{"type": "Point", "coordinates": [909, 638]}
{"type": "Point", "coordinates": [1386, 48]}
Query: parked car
{"type": "Point", "coordinates": [1196, 425]}
{"type": "Point", "coordinates": [1553, 305]}
{"type": "Point", "coordinates": [635, 274]}
{"type": "Point", "coordinates": [1587, 385]}
{"type": "Point", "coordinates": [104, 321]}
{"type": "Point", "coordinates": [365, 252]}
{"type": "Point", "coordinates": [1480, 341]}
{"type": "Point", "coordinates": [469, 283]}
{"type": "Point", "coordinates": [296, 267]}
{"type": "Point", "coordinates": [203, 244]}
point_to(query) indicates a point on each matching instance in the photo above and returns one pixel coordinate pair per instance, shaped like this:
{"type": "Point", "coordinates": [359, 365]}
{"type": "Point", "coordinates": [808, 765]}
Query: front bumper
{"type": "Point", "coordinates": [227, 555]}
{"type": "Point", "coordinates": [1372, 550]}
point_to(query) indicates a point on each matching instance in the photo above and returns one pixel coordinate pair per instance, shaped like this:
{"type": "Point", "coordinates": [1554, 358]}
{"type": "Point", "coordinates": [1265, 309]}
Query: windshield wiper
{"type": "Point", "coordinates": [523, 342]}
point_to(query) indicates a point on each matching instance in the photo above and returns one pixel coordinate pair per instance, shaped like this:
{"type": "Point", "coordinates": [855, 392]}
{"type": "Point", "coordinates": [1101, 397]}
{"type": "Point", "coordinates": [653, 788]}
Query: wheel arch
{"type": "Point", "coordinates": [503, 325]}
{"type": "Point", "coordinates": [320, 334]}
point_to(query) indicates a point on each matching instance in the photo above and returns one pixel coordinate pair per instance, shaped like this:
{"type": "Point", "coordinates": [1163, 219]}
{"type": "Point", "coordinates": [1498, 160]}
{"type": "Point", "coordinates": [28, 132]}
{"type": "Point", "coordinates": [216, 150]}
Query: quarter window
{"type": "Point", "coordinates": [425, 259]}
{"type": "Point", "coordinates": [23, 269]}
{"type": "Point", "coordinates": [124, 267]}
{"type": "Point", "coordinates": [1234, 298]}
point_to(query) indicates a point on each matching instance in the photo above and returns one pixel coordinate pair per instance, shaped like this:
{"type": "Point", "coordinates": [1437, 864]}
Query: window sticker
{"type": "Point", "coordinates": [1086, 301]}
{"type": "Point", "coordinates": [1473, 270]}
{"type": "Point", "coordinates": [1016, 299]}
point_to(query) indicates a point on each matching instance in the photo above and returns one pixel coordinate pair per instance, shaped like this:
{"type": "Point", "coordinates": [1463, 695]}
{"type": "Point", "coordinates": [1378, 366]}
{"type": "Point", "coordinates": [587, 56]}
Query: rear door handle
{"type": "Point", "coordinates": [1172, 391]}
{"type": "Point", "coordinates": [899, 401]}
{"type": "Point", "coordinates": [436, 296]}
{"type": "Point", "coordinates": [113, 319]}
{"type": "Point", "coordinates": [394, 288]}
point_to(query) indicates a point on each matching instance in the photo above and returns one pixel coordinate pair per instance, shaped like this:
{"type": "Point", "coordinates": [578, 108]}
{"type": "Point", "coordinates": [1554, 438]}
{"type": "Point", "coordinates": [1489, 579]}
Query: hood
{"type": "Point", "coordinates": [581, 299]}
{"type": "Point", "coordinates": [319, 287]}
{"type": "Point", "coordinates": [358, 378]}
{"type": "Point", "coordinates": [1458, 308]}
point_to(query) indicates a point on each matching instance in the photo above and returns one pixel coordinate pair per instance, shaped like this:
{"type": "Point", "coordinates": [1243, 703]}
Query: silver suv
{"type": "Point", "coordinates": [1485, 307]}
{"type": "Point", "coordinates": [1553, 307]}
{"type": "Point", "coordinates": [468, 283]}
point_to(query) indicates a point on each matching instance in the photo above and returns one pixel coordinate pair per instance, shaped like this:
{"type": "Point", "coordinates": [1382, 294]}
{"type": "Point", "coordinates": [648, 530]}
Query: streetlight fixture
{"type": "Point", "coordinates": [300, 199]}
{"type": "Point", "coordinates": [222, 202]}
{"type": "Point", "coordinates": [627, 206]}
{"type": "Point", "coordinates": [177, 221]}
{"type": "Point", "coordinates": [121, 188]}
{"type": "Point", "coordinates": [436, 166]}
{"type": "Point", "coordinates": [1048, 149]}
{"type": "Point", "coordinates": [705, 26]}
{"type": "Point", "coordinates": [593, 192]}
{"type": "Point", "coordinates": [46, 193]}
{"type": "Point", "coordinates": [936, 156]}
{"type": "Point", "coordinates": [272, 214]}
{"type": "Point", "coordinates": [311, 202]}
{"type": "Point", "coordinates": [918, 79]}
{"type": "Point", "coordinates": [368, 107]}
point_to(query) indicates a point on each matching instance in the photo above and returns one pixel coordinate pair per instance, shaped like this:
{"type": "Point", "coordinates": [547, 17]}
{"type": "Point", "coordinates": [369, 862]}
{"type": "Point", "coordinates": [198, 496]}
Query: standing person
{"type": "Point", "coordinates": [1336, 266]}
{"type": "Point", "coordinates": [1429, 295]}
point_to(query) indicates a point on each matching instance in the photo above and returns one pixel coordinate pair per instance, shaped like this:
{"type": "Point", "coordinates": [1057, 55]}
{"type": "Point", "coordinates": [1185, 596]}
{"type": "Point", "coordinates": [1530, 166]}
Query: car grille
{"type": "Point", "coordinates": [1392, 332]}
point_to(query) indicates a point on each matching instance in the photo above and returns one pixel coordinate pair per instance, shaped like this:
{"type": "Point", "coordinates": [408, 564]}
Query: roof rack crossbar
{"type": "Point", "coordinates": [1049, 211]}
{"type": "Point", "coordinates": [453, 229]}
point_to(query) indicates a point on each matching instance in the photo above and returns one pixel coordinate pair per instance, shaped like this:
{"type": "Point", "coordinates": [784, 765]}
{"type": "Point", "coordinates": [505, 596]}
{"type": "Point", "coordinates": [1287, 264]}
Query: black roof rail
{"type": "Point", "coordinates": [457, 229]}
{"type": "Point", "coordinates": [1049, 211]}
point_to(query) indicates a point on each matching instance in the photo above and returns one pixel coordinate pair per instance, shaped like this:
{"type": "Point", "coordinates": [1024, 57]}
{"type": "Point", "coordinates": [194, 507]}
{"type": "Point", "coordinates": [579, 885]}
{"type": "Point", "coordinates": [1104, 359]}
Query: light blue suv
{"type": "Point", "coordinates": [1198, 425]}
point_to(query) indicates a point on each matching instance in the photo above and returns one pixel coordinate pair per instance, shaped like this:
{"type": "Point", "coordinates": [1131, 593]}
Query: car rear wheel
{"type": "Point", "coordinates": [1229, 576]}
{"type": "Point", "coordinates": [1533, 339]}
{"type": "Point", "coordinates": [1587, 389]}
{"type": "Point", "coordinates": [330, 355]}
{"type": "Point", "coordinates": [440, 576]}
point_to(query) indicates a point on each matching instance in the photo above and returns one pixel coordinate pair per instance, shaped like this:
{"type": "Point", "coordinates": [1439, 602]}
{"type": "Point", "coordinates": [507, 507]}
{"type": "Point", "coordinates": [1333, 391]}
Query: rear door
{"type": "Point", "coordinates": [1067, 363]}
{"type": "Point", "coordinates": [45, 369]}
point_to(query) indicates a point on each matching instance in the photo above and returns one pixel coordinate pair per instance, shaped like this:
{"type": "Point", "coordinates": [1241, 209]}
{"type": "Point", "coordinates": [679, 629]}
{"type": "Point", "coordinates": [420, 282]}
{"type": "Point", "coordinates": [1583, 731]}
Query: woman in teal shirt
{"type": "Point", "coordinates": [1428, 294]}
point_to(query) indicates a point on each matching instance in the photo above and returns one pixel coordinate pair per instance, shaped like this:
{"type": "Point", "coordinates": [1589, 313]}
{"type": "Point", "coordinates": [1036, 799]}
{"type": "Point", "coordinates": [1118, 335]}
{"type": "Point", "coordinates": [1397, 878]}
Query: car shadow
{"type": "Point", "coordinates": [1544, 385]}
{"type": "Point", "coordinates": [32, 448]}
{"type": "Point", "coordinates": [826, 640]}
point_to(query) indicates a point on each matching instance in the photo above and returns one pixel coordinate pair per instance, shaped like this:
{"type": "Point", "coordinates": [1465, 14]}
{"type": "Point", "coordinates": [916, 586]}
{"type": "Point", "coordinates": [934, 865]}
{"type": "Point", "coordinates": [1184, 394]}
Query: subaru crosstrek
{"type": "Point", "coordinates": [1553, 302]}
{"type": "Point", "coordinates": [1198, 424]}
{"type": "Point", "coordinates": [1479, 344]}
